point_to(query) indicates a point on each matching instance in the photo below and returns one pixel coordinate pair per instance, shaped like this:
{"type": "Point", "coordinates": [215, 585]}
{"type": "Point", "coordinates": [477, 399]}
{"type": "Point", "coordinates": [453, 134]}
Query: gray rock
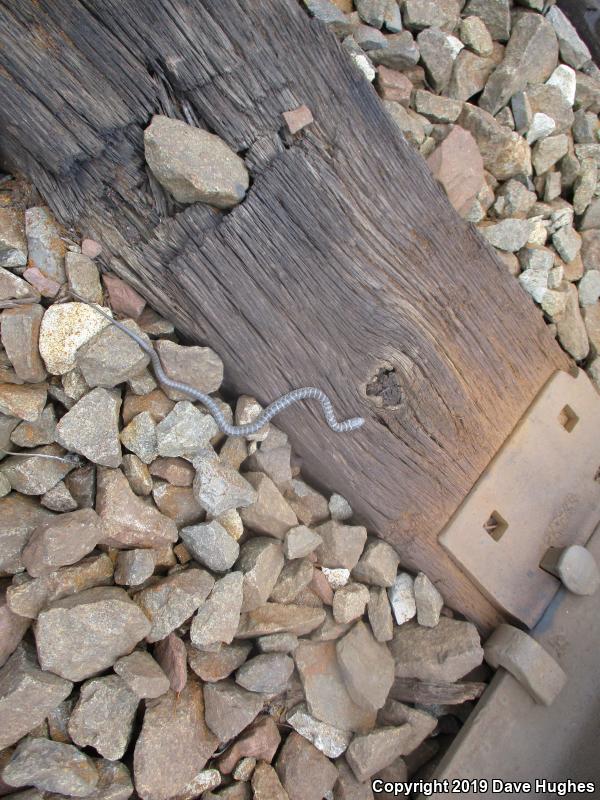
{"type": "Point", "coordinates": [372, 11]}
{"type": "Point", "coordinates": [342, 544]}
{"type": "Point", "coordinates": [211, 545]}
{"type": "Point", "coordinates": [573, 50]}
{"type": "Point", "coordinates": [198, 367]}
{"type": "Point", "coordinates": [325, 690]}
{"type": "Point", "coordinates": [331, 741]}
{"type": "Point", "coordinates": [429, 601]}
{"type": "Point", "coordinates": [437, 109]}
{"type": "Point", "coordinates": [114, 782]}
{"type": "Point", "coordinates": [514, 200]}
{"type": "Point", "coordinates": [293, 578]}
{"type": "Point", "coordinates": [174, 744]}
{"type": "Point", "coordinates": [20, 335]}
{"type": "Point", "coordinates": [19, 516]}
{"type": "Point", "coordinates": [549, 101]}
{"type": "Point", "coordinates": [65, 328]}
{"type": "Point", "coordinates": [361, 61]}
{"type": "Point", "coordinates": [548, 151]}
{"type": "Point", "coordinates": [261, 560]}
{"type": "Point", "coordinates": [52, 767]}
{"type": "Point", "coordinates": [505, 153]}
{"type": "Point", "coordinates": [590, 219]}
{"type": "Point", "coordinates": [27, 695]}
{"type": "Point", "coordinates": [28, 597]}
{"type": "Point", "coordinates": [268, 673]}
{"type": "Point", "coordinates": [142, 675]}
{"type": "Point", "coordinates": [410, 123]}
{"type": "Point", "coordinates": [128, 520]}
{"type": "Point", "coordinates": [194, 165]}
{"type": "Point", "coordinates": [73, 639]}
{"type": "Point", "coordinates": [12, 629]}
{"type": "Point", "coordinates": [310, 507]}
{"type": "Point", "coordinates": [213, 667]}
{"type": "Point", "coordinates": [300, 542]}
{"type": "Point", "coordinates": [23, 402]}
{"type": "Point", "coordinates": [279, 618]}
{"type": "Point", "coordinates": [103, 716]}
{"type": "Point", "coordinates": [530, 57]}
{"type": "Point", "coordinates": [444, 653]}
{"type": "Point", "coordinates": [495, 14]}
{"type": "Point", "coordinates": [380, 614]}
{"type": "Point", "coordinates": [186, 431]}
{"type": "Point", "coordinates": [402, 598]}
{"type": "Point", "coordinates": [589, 289]}
{"type": "Point", "coordinates": [438, 55]}
{"type": "Point", "coordinates": [571, 329]}
{"type": "Point", "coordinates": [339, 508]}
{"type": "Point", "coordinates": [369, 754]}
{"type": "Point", "coordinates": [133, 567]}
{"type": "Point", "coordinates": [172, 600]}
{"type": "Point", "coordinates": [471, 72]}
{"type": "Point", "coordinates": [349, 602]}
{"type": "Point", "coordinates": [567, 242]}
{"type": "Point", "coordinates": [230, 708]}
{"type": "Point", "coordinates": [62, 541]}
{"type": "Point", "coordinates": [476, 36]}
{"type": "Point", "coordinates": [83, 277]}
{"type": "Point", "coordinates": [218, 618]}
{"type": "Point", "coordinates": [305, 773]}
{"type": "Point", "coordinates": [377, 565]}
{"type": "Point", "coordinates": [140, 437]}
{"type": "Point", "coordinates": [33, 434]}
{"type": "Point", "coordinates": [59, 498]}
{"type": "Point", "coordinates": [366, 666]}
{"type": "Point", "coordinates": [401, 52]}
{"type": "Point", "coordinates": [91, 428]}
{"type": "Point", "coordinates": [46, 249]}
{"type": "Point", "coordinates": [111, 357]}
{"type": "Point", "coordinates": [12, 287]}
{"type": "Point", "coordinates": [509, 234]}
{"type": "Point", "coordinates": [325, 10]}
{"type": "Point", "coordinates": [35, 476]}
{"type": "Point", "coordinates": [420, 14]}
{"type": "Point", "coordinates": [585, 185]}
{"type": "Point", "coordinates": [277, 643]}
{"type": "Point", "coordinates": [275, 463]}
{"type": "Point", "coordinates": [219, 488]}
{"type": "Point", "coordinates": [13, 244]}
{"type": "Point", "coordinates": [270, 514]}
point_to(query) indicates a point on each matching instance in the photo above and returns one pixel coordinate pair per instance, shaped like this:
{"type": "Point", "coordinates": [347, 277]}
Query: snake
{"type": "Point", "coordinates": [274, 408]}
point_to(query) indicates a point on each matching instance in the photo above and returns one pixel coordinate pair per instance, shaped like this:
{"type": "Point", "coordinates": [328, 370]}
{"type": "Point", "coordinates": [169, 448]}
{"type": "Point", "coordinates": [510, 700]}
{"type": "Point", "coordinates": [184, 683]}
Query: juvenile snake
{"type": "Point", "coordinates": [274, 408]}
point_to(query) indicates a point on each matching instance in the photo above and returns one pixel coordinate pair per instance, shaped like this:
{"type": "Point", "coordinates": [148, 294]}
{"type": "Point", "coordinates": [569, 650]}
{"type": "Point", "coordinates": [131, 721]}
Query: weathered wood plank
{"type": "Point", "coordinates": [345, 258]}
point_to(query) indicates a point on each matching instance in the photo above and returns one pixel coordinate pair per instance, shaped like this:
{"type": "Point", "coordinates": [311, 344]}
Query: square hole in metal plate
{"type": "Point", "coordinates": [496, 526]}
{"type": "Point", "coordinates": [568, 418]}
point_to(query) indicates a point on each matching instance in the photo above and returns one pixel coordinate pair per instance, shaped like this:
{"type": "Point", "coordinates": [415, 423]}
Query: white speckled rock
{"type": "Point", "coordinates": [64, 329]}
{"type": "Point", "coordinates": [331, 741]}
{"type": "Point", "coordinates": [195, 166]}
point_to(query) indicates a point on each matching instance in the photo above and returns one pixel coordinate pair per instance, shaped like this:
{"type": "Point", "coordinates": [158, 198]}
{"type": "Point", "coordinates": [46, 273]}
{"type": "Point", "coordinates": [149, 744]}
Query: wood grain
{"type": "Point", "coordinates": [344, 258]}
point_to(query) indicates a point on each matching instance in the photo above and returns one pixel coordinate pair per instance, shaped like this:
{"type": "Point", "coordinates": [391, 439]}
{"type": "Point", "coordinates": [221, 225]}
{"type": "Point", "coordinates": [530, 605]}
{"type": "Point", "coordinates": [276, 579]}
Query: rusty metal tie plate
{"type": "Point", "coordinates": [541, 490]}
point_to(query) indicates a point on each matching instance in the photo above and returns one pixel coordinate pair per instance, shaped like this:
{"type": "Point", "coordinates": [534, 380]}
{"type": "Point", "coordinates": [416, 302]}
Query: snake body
{"type": "Point", "coordinates": [274, 408]}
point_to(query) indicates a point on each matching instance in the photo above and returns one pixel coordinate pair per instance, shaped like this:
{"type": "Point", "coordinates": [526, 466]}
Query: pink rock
{"type": "Point", "coordinates": [90, 248]}
{"type": "Point", "coordinates": [457, 164]}
{"type": "Point", "coordinates": [298, 118]}
{"type": "Point", "coordinates": [123, 298]}
{"type": "Point", "coordinates": [259, 741]}
{"type": "Point", "coordinates": [171, 655]}
{"type": "Point", "coordinates": [393, 85]}
{"type": "Point", "coordinates": [45, 286]}
{"type": "Point", "coordinates": [321, 587]}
